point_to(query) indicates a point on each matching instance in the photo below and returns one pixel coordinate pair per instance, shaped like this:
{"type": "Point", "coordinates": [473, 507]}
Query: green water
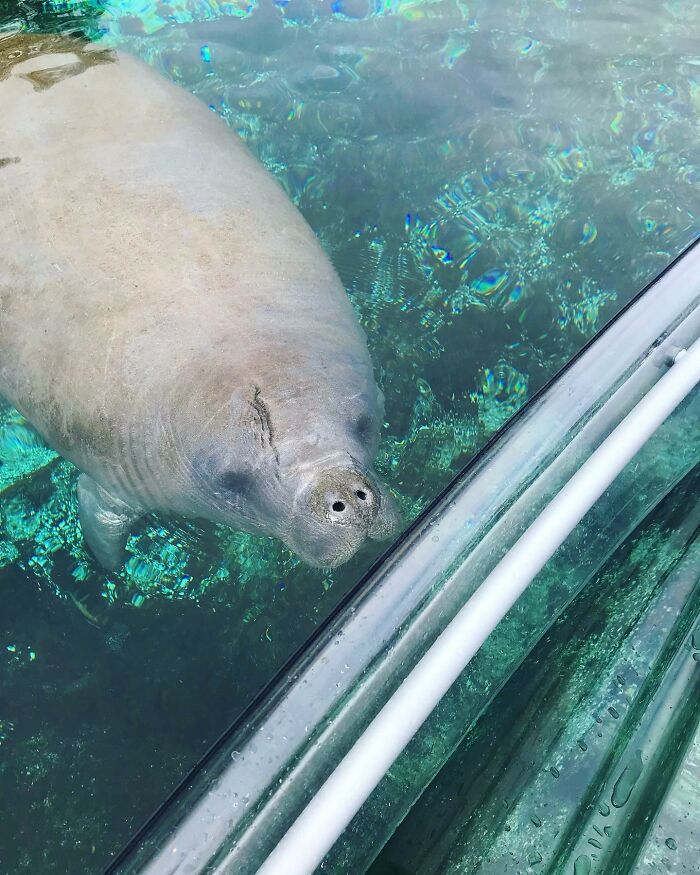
{"type": "Point", "coordinates": [493, 181]}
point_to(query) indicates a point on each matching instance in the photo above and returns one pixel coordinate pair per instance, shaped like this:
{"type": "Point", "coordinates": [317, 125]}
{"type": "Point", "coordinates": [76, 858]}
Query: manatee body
{"type": "Point", "coordinates": [168, 321]}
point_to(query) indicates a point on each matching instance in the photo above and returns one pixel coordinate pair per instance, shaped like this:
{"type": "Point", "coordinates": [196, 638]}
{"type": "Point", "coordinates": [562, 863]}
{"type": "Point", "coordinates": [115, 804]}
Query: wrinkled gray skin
{"type": "Point", "coordinates": [168, 321]}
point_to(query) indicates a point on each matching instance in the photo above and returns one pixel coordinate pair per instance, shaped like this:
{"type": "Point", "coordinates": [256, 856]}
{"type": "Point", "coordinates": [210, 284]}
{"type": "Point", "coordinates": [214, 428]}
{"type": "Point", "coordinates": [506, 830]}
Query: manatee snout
{"type": "Point", "coordinates": [337, 512]}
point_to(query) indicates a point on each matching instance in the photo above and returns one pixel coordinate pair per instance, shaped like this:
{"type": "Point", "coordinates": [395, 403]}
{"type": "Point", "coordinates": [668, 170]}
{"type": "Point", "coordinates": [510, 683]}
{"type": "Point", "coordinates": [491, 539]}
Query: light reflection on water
{"type": "Point", "coordinates": [493, 181]}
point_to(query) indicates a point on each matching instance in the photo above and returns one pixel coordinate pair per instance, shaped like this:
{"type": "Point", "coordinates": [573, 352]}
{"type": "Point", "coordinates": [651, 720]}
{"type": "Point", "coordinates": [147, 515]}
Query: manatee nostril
{"type": "Point", "coordinates": [361, 494]}
{"type": "Point", "coordinates": [338, 506]}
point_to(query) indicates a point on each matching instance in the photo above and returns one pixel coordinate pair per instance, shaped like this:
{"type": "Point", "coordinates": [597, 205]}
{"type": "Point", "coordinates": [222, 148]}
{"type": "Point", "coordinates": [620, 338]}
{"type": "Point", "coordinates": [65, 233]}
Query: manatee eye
{"type": "Point", "coordinates": [238, 482]}
{"type": "Point", "coordinates": [363, 426]}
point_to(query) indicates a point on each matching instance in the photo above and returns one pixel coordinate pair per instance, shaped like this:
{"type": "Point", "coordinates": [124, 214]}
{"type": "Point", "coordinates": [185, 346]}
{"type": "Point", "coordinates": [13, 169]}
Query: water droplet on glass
{"type": "Point", "coordinates": [625, 783]}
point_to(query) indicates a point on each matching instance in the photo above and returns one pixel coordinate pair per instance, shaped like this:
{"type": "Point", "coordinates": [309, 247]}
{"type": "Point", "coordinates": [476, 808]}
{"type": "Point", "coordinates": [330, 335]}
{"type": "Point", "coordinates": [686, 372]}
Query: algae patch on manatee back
{"type": "Point", "coordinates": [50, 58]}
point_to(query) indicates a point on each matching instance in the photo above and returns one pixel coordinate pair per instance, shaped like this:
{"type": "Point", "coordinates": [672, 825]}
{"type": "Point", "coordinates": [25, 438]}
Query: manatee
{"type": "Point", "coordinates": [169, 323]}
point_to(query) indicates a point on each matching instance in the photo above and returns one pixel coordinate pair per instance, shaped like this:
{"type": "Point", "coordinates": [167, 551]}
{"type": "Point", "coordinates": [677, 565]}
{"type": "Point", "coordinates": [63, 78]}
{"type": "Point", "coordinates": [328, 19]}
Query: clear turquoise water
{"type": "Point", "coordinates": [493, 181]}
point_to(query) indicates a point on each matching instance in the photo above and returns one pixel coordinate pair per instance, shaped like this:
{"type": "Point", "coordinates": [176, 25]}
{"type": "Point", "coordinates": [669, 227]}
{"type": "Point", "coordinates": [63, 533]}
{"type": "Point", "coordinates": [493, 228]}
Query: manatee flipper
{"type": "Point", "coordinates": [106, 522]}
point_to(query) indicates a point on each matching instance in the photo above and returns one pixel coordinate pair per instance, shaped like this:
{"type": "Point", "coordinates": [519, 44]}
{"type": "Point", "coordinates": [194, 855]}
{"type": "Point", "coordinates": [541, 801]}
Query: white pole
{"type": "Point", "coordinates": [328, 813]}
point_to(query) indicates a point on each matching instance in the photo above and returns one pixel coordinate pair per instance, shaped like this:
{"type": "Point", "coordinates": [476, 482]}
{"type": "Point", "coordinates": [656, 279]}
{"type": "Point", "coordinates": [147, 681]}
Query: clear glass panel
{"type": "Point", "coordinates": [505, 649]}
{"type": "Point", "coordinates": [673, 835]}
{"type": "Point", "coordinates": [582, 762]}
{"type": "Point", "coordinates": [492, 183]}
